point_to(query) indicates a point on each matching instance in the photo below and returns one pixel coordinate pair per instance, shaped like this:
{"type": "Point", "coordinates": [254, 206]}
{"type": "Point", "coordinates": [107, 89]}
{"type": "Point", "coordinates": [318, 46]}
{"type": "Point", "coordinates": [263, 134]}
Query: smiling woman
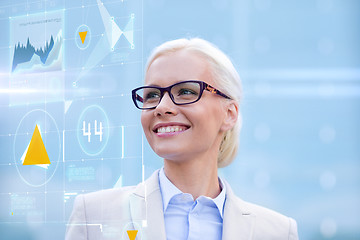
{"type": "Point", "coordinates": [190, 117]}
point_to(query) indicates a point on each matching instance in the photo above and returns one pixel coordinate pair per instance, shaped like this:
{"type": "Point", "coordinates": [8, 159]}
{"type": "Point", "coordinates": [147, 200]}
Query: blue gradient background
{"type": "Point", "coordinates": [300, 143]}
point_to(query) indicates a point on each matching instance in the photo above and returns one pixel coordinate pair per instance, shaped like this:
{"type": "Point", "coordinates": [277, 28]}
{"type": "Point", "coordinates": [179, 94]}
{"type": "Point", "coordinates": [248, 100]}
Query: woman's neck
{"type": "Point", "coordinates": [196, 177]}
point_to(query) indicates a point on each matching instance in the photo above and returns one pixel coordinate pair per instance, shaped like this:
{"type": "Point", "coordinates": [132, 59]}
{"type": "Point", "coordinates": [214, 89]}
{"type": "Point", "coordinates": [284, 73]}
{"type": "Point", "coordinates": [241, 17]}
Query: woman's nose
{"type": "Point", "coordinates": [165, 106]}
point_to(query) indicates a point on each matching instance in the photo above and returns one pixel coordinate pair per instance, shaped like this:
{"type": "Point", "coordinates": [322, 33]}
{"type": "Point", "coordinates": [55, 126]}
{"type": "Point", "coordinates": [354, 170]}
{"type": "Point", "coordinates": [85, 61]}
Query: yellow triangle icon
{"type": "Point", "coordinates": [36, 153]}
{"type": "Point", "coordinates": [132, 234]}
{"type": "Point", "coordinates": [83, 36]}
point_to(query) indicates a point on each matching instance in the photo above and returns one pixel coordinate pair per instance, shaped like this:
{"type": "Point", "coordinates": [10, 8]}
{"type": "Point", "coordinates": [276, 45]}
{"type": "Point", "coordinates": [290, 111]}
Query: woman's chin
{"type": "Point", "coordinates": [171, 153]}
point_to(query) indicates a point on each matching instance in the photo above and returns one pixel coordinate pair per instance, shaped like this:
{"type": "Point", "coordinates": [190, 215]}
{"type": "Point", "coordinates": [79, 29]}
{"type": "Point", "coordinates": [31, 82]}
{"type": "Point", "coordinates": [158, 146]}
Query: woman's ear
{"type": "Point", "coordinates": [231, 115]}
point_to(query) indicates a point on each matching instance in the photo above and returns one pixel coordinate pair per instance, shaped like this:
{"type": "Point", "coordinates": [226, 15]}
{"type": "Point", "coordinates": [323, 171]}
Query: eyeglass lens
{"type": "Point", "coordinates": [182, 93]}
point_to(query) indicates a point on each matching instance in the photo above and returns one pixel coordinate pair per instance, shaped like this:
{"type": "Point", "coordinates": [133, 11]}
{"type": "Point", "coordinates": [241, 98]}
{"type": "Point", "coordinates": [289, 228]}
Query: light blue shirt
{"type": "Point", "coordinates": [186, 219]}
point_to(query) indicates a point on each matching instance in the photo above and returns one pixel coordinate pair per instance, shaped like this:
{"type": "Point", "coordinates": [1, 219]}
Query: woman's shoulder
{"type": "Point", "coordinates": [251, 208]}
{"type": "Point", "coordinates": [104, 204]}
{"type": "Point", "coordinates": [270, 222]}
{"type": "Point", "coordinates": [261, 211]}
{"type": "Point", "coordinates": [264, 221]}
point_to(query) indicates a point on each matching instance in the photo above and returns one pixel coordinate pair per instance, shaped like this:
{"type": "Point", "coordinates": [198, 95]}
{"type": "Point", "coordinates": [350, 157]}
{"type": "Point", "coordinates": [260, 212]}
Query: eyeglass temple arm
{"type": "Point", "coordinates": [214, 90]}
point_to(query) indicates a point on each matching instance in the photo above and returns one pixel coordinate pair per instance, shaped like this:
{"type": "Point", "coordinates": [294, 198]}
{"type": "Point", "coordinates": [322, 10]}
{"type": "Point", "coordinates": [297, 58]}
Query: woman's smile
{"type": "Point", "coordinates": [169, 129]}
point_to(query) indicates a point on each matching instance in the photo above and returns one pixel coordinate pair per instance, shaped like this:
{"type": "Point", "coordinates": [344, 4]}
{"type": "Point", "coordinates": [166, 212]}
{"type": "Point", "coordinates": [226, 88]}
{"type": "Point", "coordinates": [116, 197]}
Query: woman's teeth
{"type": "Point", "coordinates": [170, 129]}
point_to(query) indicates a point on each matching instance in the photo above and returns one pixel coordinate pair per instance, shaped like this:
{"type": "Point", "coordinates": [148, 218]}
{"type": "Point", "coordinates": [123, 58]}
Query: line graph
{"type": "Point", "coordinates": [36, 57]}
{"type": "Point", "coordinates": [36, 42]}
{"type": "Point", "coordinates": [43, 56]}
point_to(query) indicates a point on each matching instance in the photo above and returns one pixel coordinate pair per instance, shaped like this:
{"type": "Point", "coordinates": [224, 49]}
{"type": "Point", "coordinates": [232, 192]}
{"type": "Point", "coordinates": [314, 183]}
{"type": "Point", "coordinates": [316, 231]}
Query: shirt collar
{"type": "Point", "coordinates": [169, 190]}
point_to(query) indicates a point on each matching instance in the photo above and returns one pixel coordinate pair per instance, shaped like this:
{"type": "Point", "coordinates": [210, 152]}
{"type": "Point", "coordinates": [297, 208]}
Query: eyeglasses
{"type": "Point", "coordinates": [181, 93]}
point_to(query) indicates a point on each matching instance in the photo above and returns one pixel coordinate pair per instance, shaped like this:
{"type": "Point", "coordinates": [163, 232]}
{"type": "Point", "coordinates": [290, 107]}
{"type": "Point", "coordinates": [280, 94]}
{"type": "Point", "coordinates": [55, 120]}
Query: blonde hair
{"type": "Point", "coordinates": [224, 74]}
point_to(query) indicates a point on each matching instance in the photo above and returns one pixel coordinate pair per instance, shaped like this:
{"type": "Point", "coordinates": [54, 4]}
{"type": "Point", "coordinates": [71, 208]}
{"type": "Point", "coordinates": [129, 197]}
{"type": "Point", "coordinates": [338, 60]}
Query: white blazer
{"type": "Point", "coordinates": [108, 214]}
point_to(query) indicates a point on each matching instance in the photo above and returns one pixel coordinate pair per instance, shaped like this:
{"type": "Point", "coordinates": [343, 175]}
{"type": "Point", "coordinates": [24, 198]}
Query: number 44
{"type": "Point", "coordinates": [97, 132]}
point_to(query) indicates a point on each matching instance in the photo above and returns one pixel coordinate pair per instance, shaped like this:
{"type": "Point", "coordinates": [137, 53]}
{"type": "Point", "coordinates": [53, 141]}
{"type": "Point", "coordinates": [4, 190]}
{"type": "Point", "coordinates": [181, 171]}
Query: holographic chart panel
{"type": "Point", "coordinates": [68, 67]}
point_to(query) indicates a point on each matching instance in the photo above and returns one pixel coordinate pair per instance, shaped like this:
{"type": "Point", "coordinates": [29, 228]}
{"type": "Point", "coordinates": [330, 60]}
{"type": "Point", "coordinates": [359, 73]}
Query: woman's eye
{"type": "Point", "coordinates": [186, 91]}
{"type": "Point", "coordinates": [152, 95]}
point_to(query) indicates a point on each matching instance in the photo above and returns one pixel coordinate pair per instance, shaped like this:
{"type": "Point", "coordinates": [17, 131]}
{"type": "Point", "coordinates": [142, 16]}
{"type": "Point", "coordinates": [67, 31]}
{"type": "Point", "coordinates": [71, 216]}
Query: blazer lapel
{"type": "Point", "coordinates": [238, 222]}
{"type": "Point", "coordinates": [146, 209]}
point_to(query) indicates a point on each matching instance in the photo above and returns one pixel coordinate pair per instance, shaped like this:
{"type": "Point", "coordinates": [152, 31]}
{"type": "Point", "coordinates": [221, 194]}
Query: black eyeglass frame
{"type": "Point", "coordinates": [203, 86]}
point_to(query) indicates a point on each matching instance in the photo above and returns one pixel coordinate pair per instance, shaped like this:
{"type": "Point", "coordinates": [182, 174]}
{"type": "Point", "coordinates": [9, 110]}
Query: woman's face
{"type": "Point", "coordinates": [198, 127]}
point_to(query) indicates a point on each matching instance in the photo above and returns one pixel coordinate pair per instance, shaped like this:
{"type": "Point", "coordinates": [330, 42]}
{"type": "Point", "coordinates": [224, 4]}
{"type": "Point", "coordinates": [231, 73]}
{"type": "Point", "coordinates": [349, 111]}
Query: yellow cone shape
{"type": "Point", "coordinates": [132, 234]}
{"type": "Point", "coordinates": [83, 36]}
{"type": "Point", "coordinates": [36, 153]}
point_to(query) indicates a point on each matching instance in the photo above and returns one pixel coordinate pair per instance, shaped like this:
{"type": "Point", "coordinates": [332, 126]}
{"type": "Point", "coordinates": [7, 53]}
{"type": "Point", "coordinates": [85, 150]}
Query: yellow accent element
{"type": "Point", "coordinates": [83, 36]}
{"type": "Point", "coordinates": [212, 90]}
{"type": "Point", "coordinates": [132, 234]}
{"type": "Point", "coordinates": [12, 213]}
{"type": "Point", "coordinates": [36, 153]}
